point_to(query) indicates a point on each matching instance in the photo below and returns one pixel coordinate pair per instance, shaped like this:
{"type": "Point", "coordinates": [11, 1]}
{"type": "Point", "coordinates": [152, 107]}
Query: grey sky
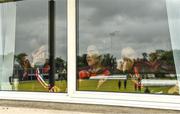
{"type": "Point", "coordinates": [139, 24]}
{"type": "Point", "coordinates": [32, 26]}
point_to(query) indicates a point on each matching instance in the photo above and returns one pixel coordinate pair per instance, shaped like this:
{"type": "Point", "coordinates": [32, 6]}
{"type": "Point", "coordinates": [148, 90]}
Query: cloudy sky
{"type": "Point", "coordinates": [32, 26]}
{"type": "Point", "coordinates": [112, 25]}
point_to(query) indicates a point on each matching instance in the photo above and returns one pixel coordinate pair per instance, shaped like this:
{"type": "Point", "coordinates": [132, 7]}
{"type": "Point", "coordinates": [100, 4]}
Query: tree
{"type": "Point", "coordinates": [168, 57]}
{"type": "Point", "coordinates": [109, 61]}
{"type": "Point", "coordinates": [59, 62]}
{"type": "Point", "coordinates": [153, 56]}
{"type": "Point", "coordinates": [81, 61]}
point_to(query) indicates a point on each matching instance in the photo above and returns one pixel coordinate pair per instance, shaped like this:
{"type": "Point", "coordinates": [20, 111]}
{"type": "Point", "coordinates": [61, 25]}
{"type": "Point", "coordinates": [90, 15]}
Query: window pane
{"type": "Point", "coordinates": [31, 57]}
{"type": "Point", "coordinates": [125, 46]}
{"type": "Point", "coordinates": [61, 45]}
{"type": "Point", "coordinates": [173, 17]}
{"type": "Point", "coordinates": [31, 49]}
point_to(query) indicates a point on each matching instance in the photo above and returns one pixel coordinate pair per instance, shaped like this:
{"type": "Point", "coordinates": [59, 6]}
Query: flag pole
{"type": "Point", "coordinates": [51, 43]}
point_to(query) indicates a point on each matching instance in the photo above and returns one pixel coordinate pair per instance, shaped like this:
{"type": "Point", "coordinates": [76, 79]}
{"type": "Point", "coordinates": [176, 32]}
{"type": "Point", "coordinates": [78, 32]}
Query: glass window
{"type": "Point", "coordinates": [173, 20]}
{"type": "Point", "coordinates": [30, 60]}
{"type": "Point", "coordinates": [61, 45]}
{"type": "Point", "coordinates": [125, 46]}
{"type": "Point", "coordinates": [31, 50]}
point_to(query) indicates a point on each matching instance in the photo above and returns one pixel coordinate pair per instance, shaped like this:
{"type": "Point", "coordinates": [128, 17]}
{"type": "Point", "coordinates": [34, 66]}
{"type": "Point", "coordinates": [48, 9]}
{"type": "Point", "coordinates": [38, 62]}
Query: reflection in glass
{"type": "Point", "coordinates": [61, 45]}
{"type": "Point", "coordinates": [27, 69]}
{"type": "Point", "coordinates": [31, 49]}
{"type": "Point", "coordinates": [174, 24]}
{"type": "Point", "coordinates": [125, 46]}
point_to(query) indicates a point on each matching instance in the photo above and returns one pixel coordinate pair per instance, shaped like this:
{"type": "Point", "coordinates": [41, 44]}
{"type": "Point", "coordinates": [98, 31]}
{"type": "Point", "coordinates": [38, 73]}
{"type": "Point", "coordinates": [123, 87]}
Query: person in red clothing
{"type": "Point", "coordinates": [95, 67]}
{"type": "Point", "coordinates": [46, 66]}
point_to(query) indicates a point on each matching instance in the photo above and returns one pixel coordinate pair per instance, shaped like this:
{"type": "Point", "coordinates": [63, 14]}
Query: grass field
{"type": "Point", "coordinates": [91, 85]}
{"type": "Point", "coordinates": [35, 86]}
{"type": "Point", "coordinates": [112, 86]}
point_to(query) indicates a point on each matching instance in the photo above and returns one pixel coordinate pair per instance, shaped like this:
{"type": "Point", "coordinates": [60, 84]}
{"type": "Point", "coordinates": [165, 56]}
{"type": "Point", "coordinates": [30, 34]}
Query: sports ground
{"type": "Point", "coordinates": [91, 85]}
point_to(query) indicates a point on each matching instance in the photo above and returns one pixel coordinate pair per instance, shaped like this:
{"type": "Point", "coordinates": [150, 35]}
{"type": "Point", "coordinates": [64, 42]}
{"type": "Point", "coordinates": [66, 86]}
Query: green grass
{"type": "Point", "coordinates": [112, 86]}
{"type": "Point", "coordinates": [91, 85]}
{"type": "Point", "coordinates": [35, 86]}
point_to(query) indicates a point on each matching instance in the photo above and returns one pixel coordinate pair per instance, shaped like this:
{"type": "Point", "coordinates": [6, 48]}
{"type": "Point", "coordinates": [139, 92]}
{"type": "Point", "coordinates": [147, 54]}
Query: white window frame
{"type": "Point", "coordinates": [104, 98]}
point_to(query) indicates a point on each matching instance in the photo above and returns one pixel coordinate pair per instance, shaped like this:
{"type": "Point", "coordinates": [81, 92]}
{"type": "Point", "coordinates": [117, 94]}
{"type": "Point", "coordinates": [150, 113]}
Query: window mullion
{"type": "Point", "coordinates": [71, 46]}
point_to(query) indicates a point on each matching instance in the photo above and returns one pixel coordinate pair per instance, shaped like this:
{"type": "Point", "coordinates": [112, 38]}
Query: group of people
{"type": "Point", "coordinates": [26, 65]}
{"type": "Point", "coordinates": [95, 67]}
{"type": "Point", "coordinates": [127, 65]}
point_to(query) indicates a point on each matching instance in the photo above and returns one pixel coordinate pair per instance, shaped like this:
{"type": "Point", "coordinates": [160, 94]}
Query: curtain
{"type": "Point", "coordinates": [7, 43]}
{"type": "Point", "coordinates": [173, 12]}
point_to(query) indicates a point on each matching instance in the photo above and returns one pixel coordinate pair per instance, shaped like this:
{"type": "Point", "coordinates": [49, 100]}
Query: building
{"type": "Point", "coordinates": [77, 29]}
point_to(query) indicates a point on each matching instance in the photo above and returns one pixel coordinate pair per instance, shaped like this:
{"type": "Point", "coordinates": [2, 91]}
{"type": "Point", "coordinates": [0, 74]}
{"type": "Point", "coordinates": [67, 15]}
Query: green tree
{"type": "Point", "coordinates": [81, 60]}
{"type": "Point", "coordinates": [153, 56]}
{"type": "Point", "coordinates": [59, 62]}
{"type": "Point", "coordinates": [168, 57]}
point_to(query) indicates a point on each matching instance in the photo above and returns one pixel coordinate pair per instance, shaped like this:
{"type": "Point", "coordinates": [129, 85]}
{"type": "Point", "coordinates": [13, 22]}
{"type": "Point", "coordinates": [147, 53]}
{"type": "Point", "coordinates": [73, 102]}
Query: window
{"type": "Point", "coordinates": [32, 47]}
{"type": "Point", "coordinates": [61, 45]}
{"type": "Point", "coordinates": [125, 46]}
{"type": "Point", "coordinates": [118, 52]}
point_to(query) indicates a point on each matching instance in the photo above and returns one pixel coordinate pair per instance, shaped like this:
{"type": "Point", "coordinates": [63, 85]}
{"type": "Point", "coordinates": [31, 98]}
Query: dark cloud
{"type": "Point", "coordinates": [140, 24]}
{"type": "Point", "coordinates": [140, 10]}
{"type": "Point", "coordinates": [32, 26]}
{"type": "Point", "coordinates": [134, 23]}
